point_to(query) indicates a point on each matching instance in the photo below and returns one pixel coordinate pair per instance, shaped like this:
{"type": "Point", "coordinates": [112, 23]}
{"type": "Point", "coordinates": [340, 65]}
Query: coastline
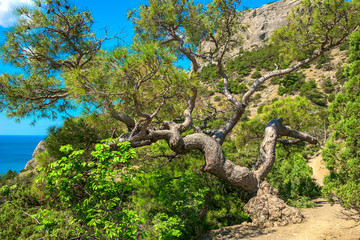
{"type": "Point", "coordinates": [16, 151]}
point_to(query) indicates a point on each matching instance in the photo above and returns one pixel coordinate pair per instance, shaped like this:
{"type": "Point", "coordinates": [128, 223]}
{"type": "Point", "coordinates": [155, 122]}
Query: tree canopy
{"type": "Point", "coordinates": [63, 65]}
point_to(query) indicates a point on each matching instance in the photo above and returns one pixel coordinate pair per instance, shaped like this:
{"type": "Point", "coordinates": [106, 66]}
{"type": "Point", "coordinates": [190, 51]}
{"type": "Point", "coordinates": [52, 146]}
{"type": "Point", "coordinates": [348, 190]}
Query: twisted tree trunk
{"type": "Point", "coordinates": [266, 208]}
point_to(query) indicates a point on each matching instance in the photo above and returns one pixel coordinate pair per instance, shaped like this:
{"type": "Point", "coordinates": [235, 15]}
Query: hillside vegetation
{"type": "Point", "coordinates": [164, 153]}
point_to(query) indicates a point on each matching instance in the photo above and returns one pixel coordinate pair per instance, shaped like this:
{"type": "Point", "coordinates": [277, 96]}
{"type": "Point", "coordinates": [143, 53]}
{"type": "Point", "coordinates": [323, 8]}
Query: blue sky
{"type": "Point", "coordinates": [109, 14]}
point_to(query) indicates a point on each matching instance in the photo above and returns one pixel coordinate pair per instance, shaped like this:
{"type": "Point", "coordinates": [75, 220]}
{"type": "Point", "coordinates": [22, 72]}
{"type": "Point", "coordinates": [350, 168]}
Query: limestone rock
{"type": "Point", "coordinates": [33, 163]}
{"type": "Point", "coordinates": [30, 164]}
{"type": "Point", "coordinates": [39, 148]}
{"type": "Point", "coordinates": [266, 209]}
{"type": "Point", "coordinates": [260, 23]}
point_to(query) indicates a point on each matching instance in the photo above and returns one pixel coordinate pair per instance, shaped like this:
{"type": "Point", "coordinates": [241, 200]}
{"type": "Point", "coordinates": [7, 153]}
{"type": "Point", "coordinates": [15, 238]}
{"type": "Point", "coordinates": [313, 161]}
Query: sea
{"type": "Point", "coordinates": [16, 151]}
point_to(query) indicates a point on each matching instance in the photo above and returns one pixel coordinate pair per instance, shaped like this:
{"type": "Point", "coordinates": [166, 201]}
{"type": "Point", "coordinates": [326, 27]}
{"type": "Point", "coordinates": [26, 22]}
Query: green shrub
{"type": "Point", "coordinates": [208, 93]}
{"type": "Point", "coordinates": [259, 58]}
{"type": "Point", "coordinates": [234, 87]}
{"type": "Point", "coordinates": [188, 205]}
{"type": "Point", "coordinates": [310, 91]}
{"type": "Point", "coordinates": [302, 202]}
{"type": "Point", "coordinates": [324, 58]}
{"type": "Point", "coordinates": [293, 177]}
{"type": "Point", "coordinates": [282, 91]}
{"type": "Point", "coordinates": [217, 98]}
{"type": "Point", "coordinates": [76, 132]}
{"type": "Point", "coordinates": [257, 97]}
{"type": "Point", "coordinates": [16, 225]}
{"type": "Point", "coordinates": [260, 109]}
{"type": "Point", "coordinates": [327, 86]}
{"type": "Point", "coordinates": [209, 73]}
{"type": "Point", "coordinates": [10, 175]}
{"type": "Point", "coordinates": [345, 45]}
{"type": "Point", "coordinates": [96, 189]}
{"type": "Point", "coordinates": [256, 75]}
{"type": "Point", "coordinates": [340, 76]}
{"type": "Point", "coordinates": [291, 83]}
{"type": "Point", "coordinates": [275, 80]}
{"type": "Point", "coordinates": [331, 97]}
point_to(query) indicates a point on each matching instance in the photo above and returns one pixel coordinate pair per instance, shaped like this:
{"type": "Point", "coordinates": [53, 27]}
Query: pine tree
{"type": "Point", "coordinates": [342, 152]}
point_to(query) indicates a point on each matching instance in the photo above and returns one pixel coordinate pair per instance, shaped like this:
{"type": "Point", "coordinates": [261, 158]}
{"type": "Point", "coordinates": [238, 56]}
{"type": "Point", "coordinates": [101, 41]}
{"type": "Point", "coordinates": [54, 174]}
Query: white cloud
{"type": "Point", "coordinates": [7, 7]}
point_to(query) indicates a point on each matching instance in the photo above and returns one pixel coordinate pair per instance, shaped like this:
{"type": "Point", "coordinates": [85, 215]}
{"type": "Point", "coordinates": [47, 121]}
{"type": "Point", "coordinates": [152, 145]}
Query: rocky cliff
{"type": "Point", "coordinates": [260, 23]}
{"type": "Point", "coordinates": [32, 164]}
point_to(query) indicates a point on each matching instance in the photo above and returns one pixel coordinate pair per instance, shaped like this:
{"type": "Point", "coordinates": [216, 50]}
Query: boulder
{"type": "Point", "coordinates": [266, 209]}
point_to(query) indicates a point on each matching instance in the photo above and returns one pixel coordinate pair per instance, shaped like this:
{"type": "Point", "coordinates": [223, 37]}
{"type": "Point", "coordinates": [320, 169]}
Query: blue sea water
{"type": "Point", "coordinates": [16, 151]}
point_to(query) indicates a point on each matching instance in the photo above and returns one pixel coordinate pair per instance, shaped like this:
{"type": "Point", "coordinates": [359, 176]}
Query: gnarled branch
{"type": "Point", "coordinates": [274, 130]}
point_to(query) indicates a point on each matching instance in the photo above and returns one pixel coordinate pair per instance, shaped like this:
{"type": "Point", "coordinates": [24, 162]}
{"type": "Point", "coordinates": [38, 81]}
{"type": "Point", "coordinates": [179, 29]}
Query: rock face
{"type": "Point", "coordinates": [266, 209]}
{"type": "Point", "coordinates": [32, 163]}
{"type": "Point", "coordinates": [260, 23]}
{"type": "Point", "coordinates": [39, 148]}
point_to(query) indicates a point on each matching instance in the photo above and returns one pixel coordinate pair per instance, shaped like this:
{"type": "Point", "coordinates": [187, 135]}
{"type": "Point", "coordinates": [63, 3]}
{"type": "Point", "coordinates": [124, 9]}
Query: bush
{"type": "Point", "coordinates": [340, 76]}
{"type": "Point", "coordinates": [327, 86]}
{"type": "Point", "coordinates": [217, 98]}
{"type": "Point", "coordinates": [26, 215]}
{"type": "Point", "coordinates": [331, 97]}
{"type": "Point", "coordinates": [209, 93]}
{"type": "Point", "coordinates": [76, 132]}
{"type": "Point", "coordinates": [187, 206]}
{"type": "Point", "coordinates": [256, 75]}
{"type": "Point", "coordinates": [291, 83]}
{"type": "Point", "coordinates": [260, 109]}
{"type": "Point", "coordinates": [7, 176]}
{"type": "Point", "coordinates": [345, 45]}
{"type": "Point", "coordinates": [259, 58]}
{"type": "Point", "coordinates": [96, 190]}
{"type": "Point", "coordinates": [293, 178]}
{"type": "Point", "coordinates": [310, 91]}
{"type": "Point", "coordinates": [257, 97]}
{"type": "Point", "coordinates": [325, 58]}
{"type": "Point", "coordinates": [209, 73]}
{"type": "Point", "coordinates": [234, 87]}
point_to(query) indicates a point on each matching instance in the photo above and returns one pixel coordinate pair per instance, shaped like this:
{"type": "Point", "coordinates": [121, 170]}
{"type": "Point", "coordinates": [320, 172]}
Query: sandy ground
{"type": "Point", "coordinates": [319, 169]}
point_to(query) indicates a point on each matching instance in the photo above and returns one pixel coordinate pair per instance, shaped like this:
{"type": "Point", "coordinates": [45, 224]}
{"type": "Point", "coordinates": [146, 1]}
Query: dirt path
{"type": "Point", "coordinates": [319, 169]}
{"type": "Point", "coordinates": [324, 222]}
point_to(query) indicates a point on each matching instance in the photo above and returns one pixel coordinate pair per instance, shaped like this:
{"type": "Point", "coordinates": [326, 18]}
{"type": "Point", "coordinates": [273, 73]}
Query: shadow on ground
{"type": "Point", "coordinates": [243, 231]}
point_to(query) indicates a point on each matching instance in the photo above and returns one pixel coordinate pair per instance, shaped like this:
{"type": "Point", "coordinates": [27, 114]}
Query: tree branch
{"type": "Point", "coordinates": [222, 132]}
{"type": "Point", "coordinates": [273, 130]}
{"type": "Point", "coordinates": [187, 113]}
